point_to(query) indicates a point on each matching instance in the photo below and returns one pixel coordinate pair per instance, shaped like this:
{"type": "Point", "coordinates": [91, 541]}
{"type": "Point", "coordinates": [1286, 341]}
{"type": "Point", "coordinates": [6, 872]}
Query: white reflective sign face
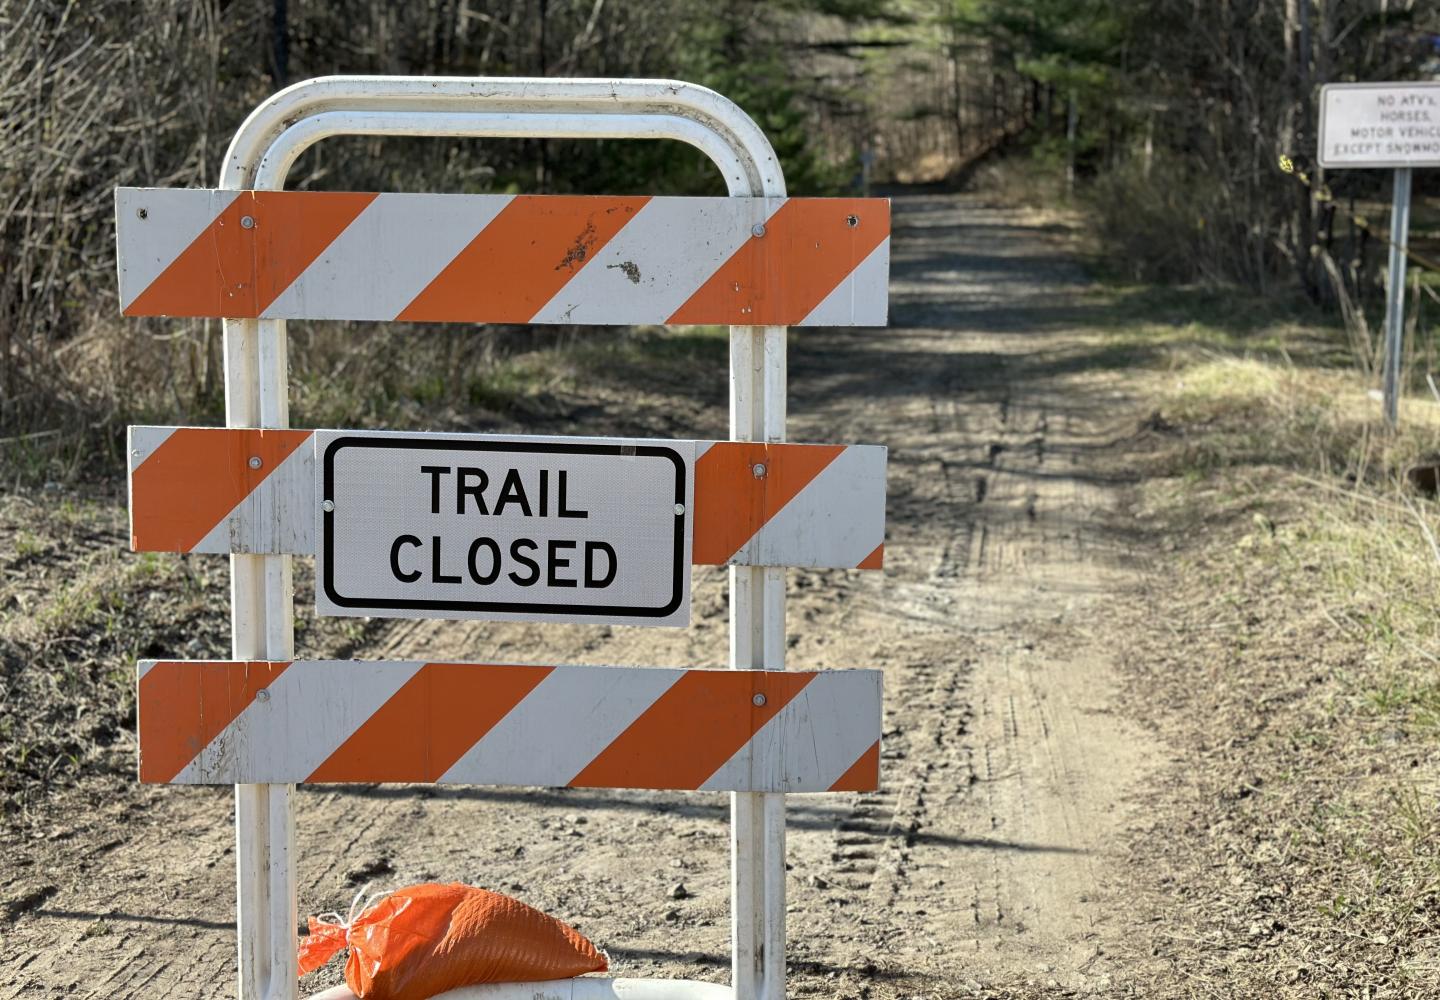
{"type": "Point", "coordinates": [512, 529]}
{"type": "Point", "coordinates": [1380, 125]}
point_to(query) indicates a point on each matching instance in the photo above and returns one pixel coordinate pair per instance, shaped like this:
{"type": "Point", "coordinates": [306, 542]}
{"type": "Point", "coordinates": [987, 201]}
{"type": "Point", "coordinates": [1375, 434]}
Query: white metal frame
{"type": "Point", "coordinates": [257, 395]}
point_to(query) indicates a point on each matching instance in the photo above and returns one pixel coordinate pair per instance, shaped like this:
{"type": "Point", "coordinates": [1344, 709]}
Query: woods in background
{"type": "Point", "coordinates": [1169, 116]}
{"type": "Point", "coordinates": [148, 92]}
{"type": "Point", "coordinates": [1182, 112]}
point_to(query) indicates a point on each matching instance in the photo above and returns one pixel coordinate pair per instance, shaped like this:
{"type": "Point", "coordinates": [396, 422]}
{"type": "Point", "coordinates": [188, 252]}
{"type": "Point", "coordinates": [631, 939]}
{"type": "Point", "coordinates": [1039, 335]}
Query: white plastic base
{"type": "Point", "coordinates": [586, 988]}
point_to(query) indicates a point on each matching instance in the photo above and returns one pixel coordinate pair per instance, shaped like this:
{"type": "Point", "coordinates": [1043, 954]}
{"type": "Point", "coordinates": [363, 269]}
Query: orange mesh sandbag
{"type": "Point", "coordinates": [422, 940]}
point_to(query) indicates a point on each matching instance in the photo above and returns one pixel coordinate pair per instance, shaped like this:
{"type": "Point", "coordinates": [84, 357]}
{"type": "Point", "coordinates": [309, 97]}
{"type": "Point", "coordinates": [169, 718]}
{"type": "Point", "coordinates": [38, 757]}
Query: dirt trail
{"type": "Point", "coordinates": [984, 864]}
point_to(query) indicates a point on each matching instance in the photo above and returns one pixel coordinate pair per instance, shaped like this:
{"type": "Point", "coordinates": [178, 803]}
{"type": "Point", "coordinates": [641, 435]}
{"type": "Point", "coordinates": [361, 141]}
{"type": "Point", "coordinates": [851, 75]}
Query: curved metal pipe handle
{"type": "Point", "coordinates": [509, 95]}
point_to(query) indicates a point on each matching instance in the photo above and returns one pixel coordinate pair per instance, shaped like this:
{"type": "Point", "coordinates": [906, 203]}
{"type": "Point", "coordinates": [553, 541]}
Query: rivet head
{"type": "Point", "coordinates": [757, 230]}
{"type": "Point", "coordinates": [328, 506]}
{"type": "Point", "coordinates": [757, 701]}
{"type": "Point", "coordinates": [247, 222]}
{"type": "Point", "coordinates": [255, 462]}
{"type": "Point", "coordinates": [852, 221]}
{"type": "Point", "coordinates": [679, 509]}
{"type": "Point", "coordinates": [262, 695]}
{"type": "Point", "coordinates": [758, 470]}
{"type": "Point", "coordinates": [143, 213]}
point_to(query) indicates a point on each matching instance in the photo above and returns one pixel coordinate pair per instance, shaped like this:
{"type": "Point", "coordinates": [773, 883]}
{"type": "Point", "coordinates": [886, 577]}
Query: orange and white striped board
{"type": "Point", "coordinates": [236, 722]}
{"type": "Point", "coordinates": [459, 258]}
{"type": "Point", "coordinates": [213, 489]}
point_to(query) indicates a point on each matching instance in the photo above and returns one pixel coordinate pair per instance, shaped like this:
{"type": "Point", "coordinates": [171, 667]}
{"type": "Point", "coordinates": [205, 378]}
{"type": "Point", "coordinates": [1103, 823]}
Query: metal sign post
{"type": "Point", "coordinates": [1395, 125]}
{"type": "Point", "coordinates": [1395, 293]}
{"type": "Point", "coordinates": [753, 503]}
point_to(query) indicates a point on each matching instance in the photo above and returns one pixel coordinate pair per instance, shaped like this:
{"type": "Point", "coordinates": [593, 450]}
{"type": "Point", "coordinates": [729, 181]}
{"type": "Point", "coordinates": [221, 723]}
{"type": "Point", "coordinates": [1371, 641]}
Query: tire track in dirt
{"type": "Point", "coordinates": [992, 847]}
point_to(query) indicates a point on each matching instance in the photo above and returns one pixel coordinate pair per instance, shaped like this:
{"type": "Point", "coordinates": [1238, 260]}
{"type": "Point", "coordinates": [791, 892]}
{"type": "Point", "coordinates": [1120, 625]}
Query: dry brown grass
{"type": "Point", "coordinates": [1294, 665]}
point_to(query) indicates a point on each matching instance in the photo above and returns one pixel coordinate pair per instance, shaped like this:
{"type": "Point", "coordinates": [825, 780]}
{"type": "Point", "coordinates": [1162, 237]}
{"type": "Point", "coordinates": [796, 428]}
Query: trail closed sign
{"type": "Point", "coordinates": [527, 529]}
{"type": "Point", "coordinates": [1380, 125]}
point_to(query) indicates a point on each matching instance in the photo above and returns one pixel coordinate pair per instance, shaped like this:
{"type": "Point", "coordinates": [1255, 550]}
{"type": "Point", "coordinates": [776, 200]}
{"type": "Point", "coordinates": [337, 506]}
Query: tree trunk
{"type": "Point", "coordinates": [280, 44]}
{"type": "Point", "coordinates": [1072, 131]}
{"type": "Point", "coordinates": [1309, 271]}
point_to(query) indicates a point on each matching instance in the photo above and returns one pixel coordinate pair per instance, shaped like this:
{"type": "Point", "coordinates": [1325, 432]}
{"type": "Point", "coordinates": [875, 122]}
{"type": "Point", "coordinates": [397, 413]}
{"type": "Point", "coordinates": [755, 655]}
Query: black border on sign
{"type": "Point", "coordinates": [677, 593]}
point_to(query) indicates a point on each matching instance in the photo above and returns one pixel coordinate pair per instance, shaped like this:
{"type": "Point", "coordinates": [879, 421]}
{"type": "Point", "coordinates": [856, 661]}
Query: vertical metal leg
{"type": "Point", "coordinates": [1395, 294]}
{"type": "Point", "coordinates": [758, 885]}
{"type": "Point", "coordinates": [262, 628]}
{"type": "Point", "coordinates": [265, 891]}
{"type": "Point", "coordinates": [757, 640]}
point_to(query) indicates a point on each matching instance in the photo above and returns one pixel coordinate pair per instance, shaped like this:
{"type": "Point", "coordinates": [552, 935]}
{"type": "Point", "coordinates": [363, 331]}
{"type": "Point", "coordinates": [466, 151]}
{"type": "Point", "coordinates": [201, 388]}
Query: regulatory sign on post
{"type": "Point", "coordinates": [529, 529]}
{"type": "Point", "coordinates": [1380, 125]}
